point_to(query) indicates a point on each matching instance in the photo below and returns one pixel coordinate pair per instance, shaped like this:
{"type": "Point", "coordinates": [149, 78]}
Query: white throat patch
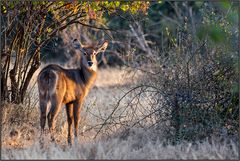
{"type": "Point", "coordinates": [93, 67]}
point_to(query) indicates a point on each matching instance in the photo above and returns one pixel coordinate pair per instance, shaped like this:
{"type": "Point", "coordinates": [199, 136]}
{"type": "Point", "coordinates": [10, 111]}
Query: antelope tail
{"type": "Point", "coordinates": [47, 81]}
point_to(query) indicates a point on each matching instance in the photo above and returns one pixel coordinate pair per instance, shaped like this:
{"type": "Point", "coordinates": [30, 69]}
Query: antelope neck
{"type": "Point", "coordinates": [88, 75]}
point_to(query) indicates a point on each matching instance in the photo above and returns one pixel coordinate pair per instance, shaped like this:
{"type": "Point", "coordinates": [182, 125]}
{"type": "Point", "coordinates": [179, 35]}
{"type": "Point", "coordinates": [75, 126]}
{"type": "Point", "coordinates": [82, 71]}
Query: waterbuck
{"type": "Point", "coordinates": [58, 86]}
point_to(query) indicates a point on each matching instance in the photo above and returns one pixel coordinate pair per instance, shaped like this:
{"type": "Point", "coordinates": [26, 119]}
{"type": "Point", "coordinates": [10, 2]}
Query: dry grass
{"type": "Point", "coordinates": [141, 145]}
{"type": "Point", "coordinates": [20, 133]}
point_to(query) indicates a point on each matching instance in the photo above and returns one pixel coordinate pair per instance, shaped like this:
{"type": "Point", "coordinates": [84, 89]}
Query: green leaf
{"type": "Point", "coordinates": [12, 5]}
{"type": "Point", "coordinates": [4, 9]}
{"type": "Point", "coordinates": [49, 29]}
{"type": "Point", "coordinates": [202, 32]}
{"type": "Point", "coordinates": [199, 3]}
{"type": "Point", "coordinates": [34, 3]}
{"type": "Point", "coordinates": [225, 4]}
{"type": "Point", "coordinates": [235, 87]}
{"type": "Point", "coordinates": [232, 17]}
{"type": "Point", "coordinates": [61, 3]}
{"type": "Point", "coordinates": [124, 7]}
{"type": "Point", "coordinates": [117, 3]}
{"type": "Point", "coordinates": [217, 34]}
{"type": "Point", "coordinates": [133, 10]}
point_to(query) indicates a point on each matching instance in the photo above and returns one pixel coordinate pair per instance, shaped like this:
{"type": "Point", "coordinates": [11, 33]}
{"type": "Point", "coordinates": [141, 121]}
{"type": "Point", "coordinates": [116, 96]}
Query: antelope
{"type": "Point", "coordinates": [59, 86]}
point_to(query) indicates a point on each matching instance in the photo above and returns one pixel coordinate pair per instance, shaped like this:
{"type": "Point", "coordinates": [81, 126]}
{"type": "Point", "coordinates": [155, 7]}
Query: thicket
{"type": "Point", "coordinates": [188, 52]}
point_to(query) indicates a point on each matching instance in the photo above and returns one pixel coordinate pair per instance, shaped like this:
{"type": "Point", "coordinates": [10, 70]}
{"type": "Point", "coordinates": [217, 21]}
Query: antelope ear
{"type": "Point", "coordinates": [78, 45]}
{"type": "Point", "coordinates": [102, 47]}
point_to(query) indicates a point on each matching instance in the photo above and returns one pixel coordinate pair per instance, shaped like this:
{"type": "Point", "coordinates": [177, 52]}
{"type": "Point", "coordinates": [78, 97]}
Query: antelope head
{"type": "Point", "coordinates": [89, 53]}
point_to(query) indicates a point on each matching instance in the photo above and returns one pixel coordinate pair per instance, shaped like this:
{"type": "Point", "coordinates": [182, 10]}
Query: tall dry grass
{"type": "Point", "coordinates": [139, 145]}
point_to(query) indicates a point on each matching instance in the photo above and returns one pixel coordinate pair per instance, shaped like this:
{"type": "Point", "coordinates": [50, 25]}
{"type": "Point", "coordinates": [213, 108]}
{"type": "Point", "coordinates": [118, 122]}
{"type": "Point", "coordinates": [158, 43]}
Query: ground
{"type": "Point", "coordinates": [20, 139]}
